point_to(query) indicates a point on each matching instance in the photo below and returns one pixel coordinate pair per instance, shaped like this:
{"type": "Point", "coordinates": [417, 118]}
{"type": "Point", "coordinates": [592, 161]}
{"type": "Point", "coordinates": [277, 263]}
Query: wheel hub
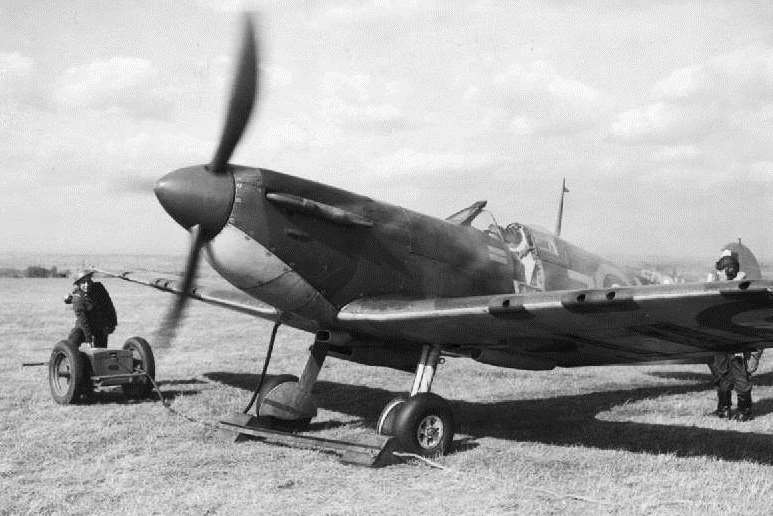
{"type": "Point", "coordinates": [430, 432]}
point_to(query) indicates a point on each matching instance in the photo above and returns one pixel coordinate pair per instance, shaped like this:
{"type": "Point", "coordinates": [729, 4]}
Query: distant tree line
{"type": "Point", "coordinates": [33, 271]}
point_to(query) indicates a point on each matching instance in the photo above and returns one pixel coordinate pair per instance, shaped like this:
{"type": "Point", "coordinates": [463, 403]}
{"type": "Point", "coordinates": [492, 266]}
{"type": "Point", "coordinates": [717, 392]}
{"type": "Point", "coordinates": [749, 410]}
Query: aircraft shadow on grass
{"type": "Point", "coordinates": [116, 397]}
{"type": "Point", "coordinates": [189, 381]}
{"type": "Point", "coordinates": [565, 420]}
{"type": "Point", "coordinates": [765, 379]}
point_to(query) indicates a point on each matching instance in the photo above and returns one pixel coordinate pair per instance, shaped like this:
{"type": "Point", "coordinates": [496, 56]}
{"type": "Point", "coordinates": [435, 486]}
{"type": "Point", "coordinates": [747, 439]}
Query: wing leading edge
{"type": "Point", "coordinates": [230, 299]}
{"type": "Point", "coordinates": [583, 327]}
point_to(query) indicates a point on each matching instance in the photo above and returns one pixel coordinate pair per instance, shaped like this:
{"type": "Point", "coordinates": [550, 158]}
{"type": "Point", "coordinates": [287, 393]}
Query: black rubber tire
{"type": "Point", "coordinates": [144, 360]}
{"type": "Point", "coordinates": [386, 420]}
{"type": "Point", "coordinates": [67, 373]}
{"type": "Point", "coordinates": [297, 425]}
{"type": "Point", "coordinates": [425, 425]}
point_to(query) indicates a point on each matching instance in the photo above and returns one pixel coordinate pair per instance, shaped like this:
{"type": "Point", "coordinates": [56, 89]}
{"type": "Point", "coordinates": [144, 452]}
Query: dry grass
{"type": "Point", "coordinates": [632, 440]}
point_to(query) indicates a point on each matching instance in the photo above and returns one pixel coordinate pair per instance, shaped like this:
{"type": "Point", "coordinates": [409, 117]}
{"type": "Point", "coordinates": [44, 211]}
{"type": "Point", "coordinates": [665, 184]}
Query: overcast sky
{"type": "Point", "coordinates": [658, 113]}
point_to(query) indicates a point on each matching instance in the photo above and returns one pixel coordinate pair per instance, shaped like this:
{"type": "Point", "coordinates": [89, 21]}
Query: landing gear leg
{"type": "Point", "coordinates": [423, 423]}
{"type": "Point", "coordinates": [285, 401]}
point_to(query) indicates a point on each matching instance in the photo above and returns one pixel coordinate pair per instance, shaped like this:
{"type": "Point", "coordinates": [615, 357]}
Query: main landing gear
{"type": "Point", "coordinates": [423, 422]}
{"type": "Point", "coordinates": [284, 402]}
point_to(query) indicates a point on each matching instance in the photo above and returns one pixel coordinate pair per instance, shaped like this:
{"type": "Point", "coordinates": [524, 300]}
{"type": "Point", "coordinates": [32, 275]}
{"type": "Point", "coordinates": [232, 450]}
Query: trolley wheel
{"type": "Point", "coordinates": [425, 425]}
{"type": "Point", "coordinates": [287, 425]}
{"type": "Point", "coordinates": [67, 373]}
{"type": "Point", "coordinates": [143, 360]}
{"type": "Point", "coordinates": [386, 421]}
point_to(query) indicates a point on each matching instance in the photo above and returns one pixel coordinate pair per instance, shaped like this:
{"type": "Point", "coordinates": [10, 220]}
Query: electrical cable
{"type": "Point", "coordinates": [249, 405]}
{"type": "Point", "coordinates": [265, 368]}
{"type": "Point", "coordinates": [168, 407]}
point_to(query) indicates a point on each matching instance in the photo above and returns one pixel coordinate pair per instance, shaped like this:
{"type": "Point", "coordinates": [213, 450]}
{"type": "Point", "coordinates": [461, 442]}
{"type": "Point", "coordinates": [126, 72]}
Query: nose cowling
{"type": "Point", "coordinates": [196, 196]}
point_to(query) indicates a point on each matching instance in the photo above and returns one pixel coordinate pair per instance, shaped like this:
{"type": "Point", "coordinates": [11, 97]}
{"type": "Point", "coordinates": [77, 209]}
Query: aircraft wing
{"type": "Point", "coordinates": [582, 327]}
{"type": "Point", "coordinates": [225, 298]}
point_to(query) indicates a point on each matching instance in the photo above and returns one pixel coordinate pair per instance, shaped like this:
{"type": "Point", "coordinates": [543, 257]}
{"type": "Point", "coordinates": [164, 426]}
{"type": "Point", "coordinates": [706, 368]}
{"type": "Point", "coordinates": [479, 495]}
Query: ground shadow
{"type": "Point", "coordinates": [325, 425]}
{"type": "Point", "coordinates": [562, 420]}
{"type": "Point", "coordinates": [683, 376]}
{"type": "Point", "coordinates": [765, 379]}
{"type": "Point", "coordinates": [188, 381]}
{"type": "Point", "coordinates": [117, 397]}
{"type": "Point", "coordinates": [763, 407]}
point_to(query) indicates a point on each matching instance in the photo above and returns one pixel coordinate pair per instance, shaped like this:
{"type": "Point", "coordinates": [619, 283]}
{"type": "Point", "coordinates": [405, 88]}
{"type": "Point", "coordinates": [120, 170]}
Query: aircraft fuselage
{"type": "Point", "coordinates": [308, 249]}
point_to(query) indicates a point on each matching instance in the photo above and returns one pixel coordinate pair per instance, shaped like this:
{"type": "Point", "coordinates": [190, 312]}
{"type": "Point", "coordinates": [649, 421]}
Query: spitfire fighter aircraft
{"type": "Point", "coordinates": [381, 285]}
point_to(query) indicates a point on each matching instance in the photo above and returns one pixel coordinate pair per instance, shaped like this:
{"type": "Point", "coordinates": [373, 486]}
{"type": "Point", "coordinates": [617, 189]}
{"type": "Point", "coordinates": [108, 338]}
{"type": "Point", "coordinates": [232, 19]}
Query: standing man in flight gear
{"type": "Point", "coordinates": [733, 370]}
{"type": "Point", "coordinates": [95, 316]}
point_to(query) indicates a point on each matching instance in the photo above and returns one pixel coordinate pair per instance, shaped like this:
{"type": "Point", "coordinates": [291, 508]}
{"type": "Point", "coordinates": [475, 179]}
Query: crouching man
{"type": "Point", "coordinates": [95, 316]}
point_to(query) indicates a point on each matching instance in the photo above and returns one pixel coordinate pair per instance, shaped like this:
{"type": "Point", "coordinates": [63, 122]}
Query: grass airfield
{"type": "Point", "coordinates": [591, 440]}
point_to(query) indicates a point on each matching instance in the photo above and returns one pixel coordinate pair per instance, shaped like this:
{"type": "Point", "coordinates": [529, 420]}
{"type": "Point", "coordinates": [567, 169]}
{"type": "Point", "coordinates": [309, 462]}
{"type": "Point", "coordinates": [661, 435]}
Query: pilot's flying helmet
{"type": "Point", "coordinates": [726, 259]}
{"type": "Point", "coordinates": [82, 275]}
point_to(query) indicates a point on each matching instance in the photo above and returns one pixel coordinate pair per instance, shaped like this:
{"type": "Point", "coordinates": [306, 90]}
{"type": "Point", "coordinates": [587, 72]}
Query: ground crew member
{"type": "Point", "coordinates": [733, 370]}
{"type": "Point", "coordinates": [95, 316]}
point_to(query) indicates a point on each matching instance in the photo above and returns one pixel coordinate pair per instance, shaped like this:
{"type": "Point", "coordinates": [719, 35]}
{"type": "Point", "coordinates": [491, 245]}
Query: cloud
{"type": "Point", "coordinates": [663, 123]}
{"type": "Point", "coordinates": [728, 91]}
{"type": "Point", "coordinates": [407, 161]}
{"type": "Point", "coordinates": [761, 172]}
{"type": "Point", "coordinates": [138, 160]}
{"type": "Point", "coordinates": [670, 153]}
{"type": "Point", "coordinates": [132, 184]}
{"type": "Point", "coordinates": [707, 126]}
{"type": "Point", "coordinates": [537, 99]}
{"type": "Point", "coordinates": [14, 65]}
{"type": "Point", "coordinates": [16, 72]}
{"type": "Point", "coordinates": [276, 77]}
{"type": "Point", "coordinates": [357, 12]}
{"type": "Point", "coordinates": [355, 101]}
{"type": "Point", "coordinates": [127, 85]}
{"type": "Point", "coordinates": [742, 78]}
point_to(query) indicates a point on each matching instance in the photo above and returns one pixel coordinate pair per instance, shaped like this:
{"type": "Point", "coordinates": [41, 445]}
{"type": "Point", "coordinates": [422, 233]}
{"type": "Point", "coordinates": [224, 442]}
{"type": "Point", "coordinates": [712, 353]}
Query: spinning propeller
{"type": "Point", "coordinates": [200, 198]}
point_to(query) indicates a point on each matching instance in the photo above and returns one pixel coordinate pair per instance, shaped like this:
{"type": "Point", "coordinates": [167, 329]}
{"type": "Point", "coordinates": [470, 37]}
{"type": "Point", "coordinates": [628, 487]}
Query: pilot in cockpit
{"type": "Point", "coordinates": [527, 268]}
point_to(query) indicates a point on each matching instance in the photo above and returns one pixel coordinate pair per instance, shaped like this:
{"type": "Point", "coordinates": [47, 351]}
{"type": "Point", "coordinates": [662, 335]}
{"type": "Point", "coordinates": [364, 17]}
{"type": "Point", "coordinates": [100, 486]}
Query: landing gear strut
{"type": "Point", "coordinates": [423, 422]}
{"type": "Point", "coordinates": [284, 402]}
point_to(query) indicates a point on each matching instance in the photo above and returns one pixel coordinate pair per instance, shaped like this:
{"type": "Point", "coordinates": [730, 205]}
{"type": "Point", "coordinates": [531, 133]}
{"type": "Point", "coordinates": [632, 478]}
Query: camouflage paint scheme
{"type": "Point", "coordinates": [389, 280]}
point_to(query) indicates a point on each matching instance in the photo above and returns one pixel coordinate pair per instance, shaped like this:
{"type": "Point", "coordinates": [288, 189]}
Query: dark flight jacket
{"type": "Point", "coordinates": [733, 372]}
{"type": "Point", "coordinates": [94, 311]}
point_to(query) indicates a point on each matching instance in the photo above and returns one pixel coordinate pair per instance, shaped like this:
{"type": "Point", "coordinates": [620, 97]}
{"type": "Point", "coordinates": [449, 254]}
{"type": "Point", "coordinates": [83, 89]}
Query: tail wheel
{"type": "Point", "coordinates": [143, 360]}
{"type": "Point", "coordinates": [386, 421]}
{"type": "Point", "coordinates": [287, 425]}
{"type": "Point", "coordinates": [67, 373]}
{"type": "Point", "coordinates": [425, 425]}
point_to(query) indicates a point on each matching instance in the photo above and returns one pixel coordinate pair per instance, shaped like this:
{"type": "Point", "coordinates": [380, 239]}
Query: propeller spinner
{"type": "Point", "coordinates": [200, 198]}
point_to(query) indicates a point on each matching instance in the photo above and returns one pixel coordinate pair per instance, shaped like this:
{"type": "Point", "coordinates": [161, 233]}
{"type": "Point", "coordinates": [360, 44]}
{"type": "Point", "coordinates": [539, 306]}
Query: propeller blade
{"type": "Point", "coordinates": [243, 95]}
{"type": "Point", "coordinates": [169, 325]}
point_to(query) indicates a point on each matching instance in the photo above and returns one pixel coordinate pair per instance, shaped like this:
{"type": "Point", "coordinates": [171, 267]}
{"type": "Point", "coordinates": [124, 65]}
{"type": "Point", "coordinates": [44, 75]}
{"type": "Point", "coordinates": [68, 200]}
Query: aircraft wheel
{"type": "Point", "coordinates": [386, 421]}
{"type": "Point", "coordinates": [67, 373]}
{"type": "Point", "coordinates": [285, 425]}
{"type": "Point", "coordinates": [425, 425]}
{"type": "Point", "coordinates": [143, 360]}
